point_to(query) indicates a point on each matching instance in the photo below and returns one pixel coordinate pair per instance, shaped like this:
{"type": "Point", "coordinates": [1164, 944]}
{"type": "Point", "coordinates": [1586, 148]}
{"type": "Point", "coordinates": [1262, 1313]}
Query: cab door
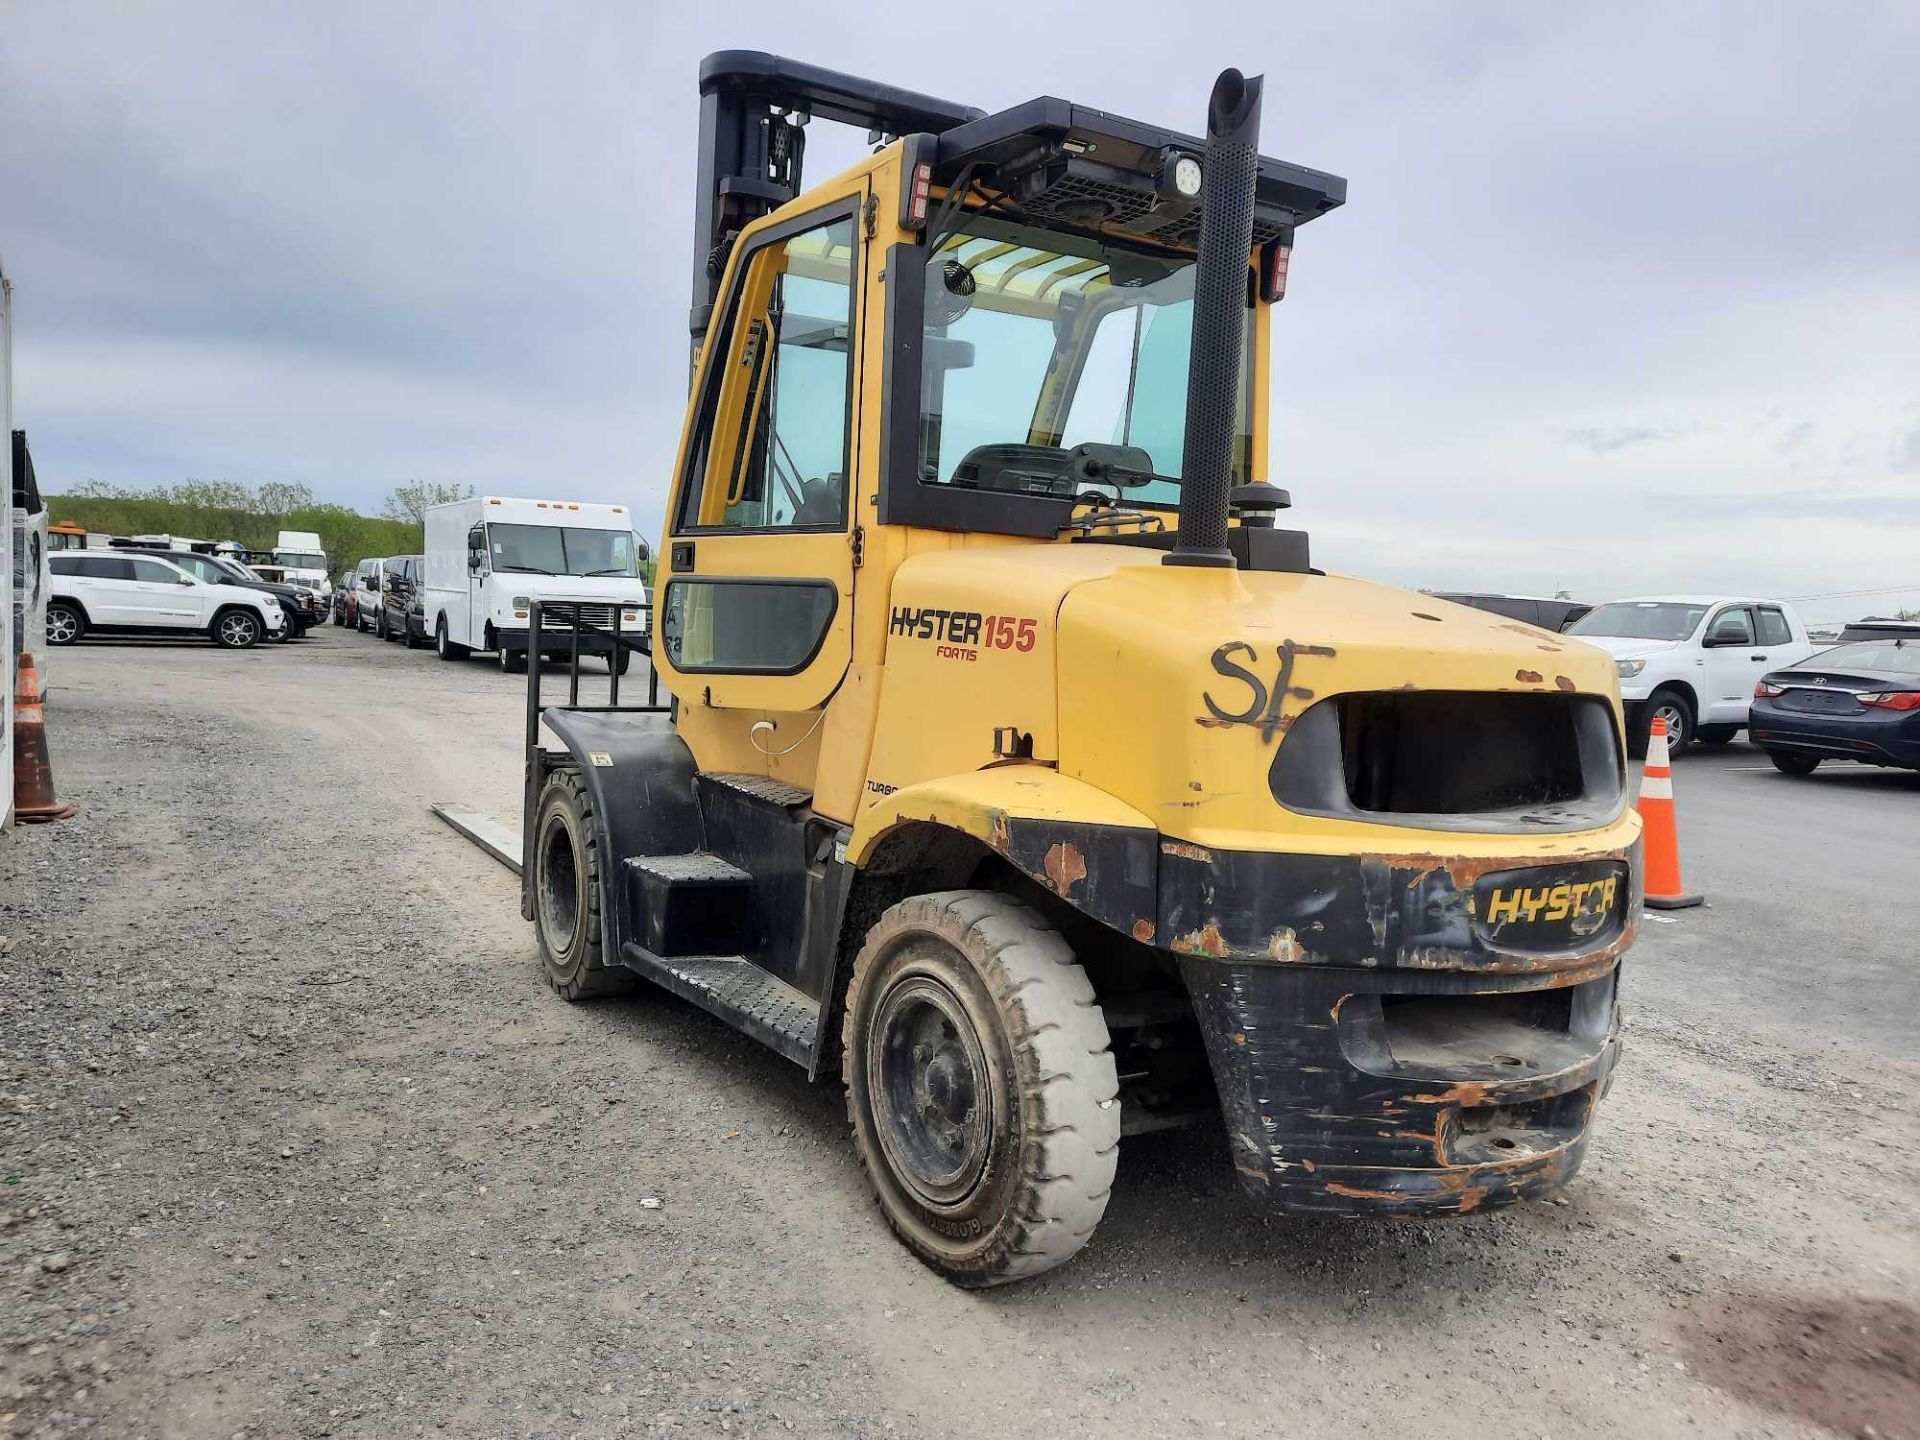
{"type": "Point", "coordinates": [1732, 665]}
{"type": "Point", "coordinates": [755, 605]}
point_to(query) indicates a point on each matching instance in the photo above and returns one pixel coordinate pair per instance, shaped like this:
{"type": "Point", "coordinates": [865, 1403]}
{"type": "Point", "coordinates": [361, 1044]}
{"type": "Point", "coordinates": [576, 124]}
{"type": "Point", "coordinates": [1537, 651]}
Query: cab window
{"type": "Point", "coordinates": [1773, 627]}
{"type": "Point", "coordinates": [155, 572]}
{"type": "Point", "coordinates": [771, 452]}
{"type": "Point", "coordinates": [1731, 627]}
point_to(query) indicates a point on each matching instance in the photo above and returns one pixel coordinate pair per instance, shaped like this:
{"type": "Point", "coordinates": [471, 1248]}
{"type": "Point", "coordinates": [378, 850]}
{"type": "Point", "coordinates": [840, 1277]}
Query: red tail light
{"type": "Point", "coordinates": [1764, 691]}
{"type": "Point", "coordinates": [1892, 700]}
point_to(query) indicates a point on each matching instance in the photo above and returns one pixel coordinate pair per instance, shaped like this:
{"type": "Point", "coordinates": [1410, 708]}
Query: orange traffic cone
{"type": "Point", "coordinates": [33, 798]}
{"type": "Point", "coordinates": [1662, 841]}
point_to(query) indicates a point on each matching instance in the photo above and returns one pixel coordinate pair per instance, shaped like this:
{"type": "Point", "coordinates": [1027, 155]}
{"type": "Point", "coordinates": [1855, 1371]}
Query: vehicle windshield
{"type": "Point", "coordinates": [1640, 620]}
{"type": "Point", "coordinates": [234, 569]}
{"type": "Point", "coordinates": [1900, 656]}
{"type": "Point", "coordinates": [562, 550]}
{"type": "Point", "coordinates": [1037, 342]}
{"type": "Point", "coordinates": [300, 559]}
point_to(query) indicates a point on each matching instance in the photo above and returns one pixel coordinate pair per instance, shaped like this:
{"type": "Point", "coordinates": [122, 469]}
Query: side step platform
{"type": "Point", "coordinates": [740, 993]}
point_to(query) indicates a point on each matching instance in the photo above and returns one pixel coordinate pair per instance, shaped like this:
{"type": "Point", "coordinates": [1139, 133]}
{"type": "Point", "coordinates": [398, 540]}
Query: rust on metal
{"type": "Point", "coordinates": [1143, 931]}
{"type": "Point", "coordinates": [1065, 866]}
{"type": "Point", "coordinates": [1182, 850]}
{"type": "Point", "coordinates": [1285, 947]}
{"type": "Point", "coordinates": [1562, 682]}
{"type": "Point", "coordinates": [1212, 724]}
{"type": "Point", "coordinates": [1207, 940]}
{"type": "Point", "coordinates": [1528, 677]}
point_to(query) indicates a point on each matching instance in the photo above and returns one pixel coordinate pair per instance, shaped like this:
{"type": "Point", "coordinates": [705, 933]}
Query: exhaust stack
{"type": "Point", "coordinates": [1219, 320]}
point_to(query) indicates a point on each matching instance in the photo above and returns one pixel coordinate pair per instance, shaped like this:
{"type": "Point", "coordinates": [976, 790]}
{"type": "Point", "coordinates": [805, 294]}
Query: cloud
{"type": "Point", "coordinates": [1607, 441]}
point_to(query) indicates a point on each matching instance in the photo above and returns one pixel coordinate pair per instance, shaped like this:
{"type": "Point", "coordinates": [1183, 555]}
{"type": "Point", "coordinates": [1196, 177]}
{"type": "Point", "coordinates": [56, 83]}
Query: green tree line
{"type": "Point", "coordinates": [254, 516]}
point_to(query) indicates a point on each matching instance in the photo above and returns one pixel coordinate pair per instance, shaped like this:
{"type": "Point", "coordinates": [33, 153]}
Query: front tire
{"type": "Point", "coordinates": [1788, 763]}
{"type": "Point", "coordinates": [66, 624]}
{"type": "Point", "coordinates": [237, 629]}
{"type": "Point", "coordinates": [1677, 711]}
{"type": "Point", "coordinates": [980, 1086]}
{"type": "Point", "coordinates": [566, 893]}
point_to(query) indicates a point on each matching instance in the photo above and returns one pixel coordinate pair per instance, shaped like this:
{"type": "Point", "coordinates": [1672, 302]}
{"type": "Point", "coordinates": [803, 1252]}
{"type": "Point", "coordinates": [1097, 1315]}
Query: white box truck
{"type": "Point", "coordinates": [490, 557]}
{"type": "Point", "coordinates": [301, 561]}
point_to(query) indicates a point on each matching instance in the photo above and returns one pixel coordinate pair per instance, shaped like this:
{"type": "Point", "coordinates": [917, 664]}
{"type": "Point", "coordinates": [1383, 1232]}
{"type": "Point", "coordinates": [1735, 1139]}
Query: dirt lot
{"type": "Point", "coordinates": [294, 1141]}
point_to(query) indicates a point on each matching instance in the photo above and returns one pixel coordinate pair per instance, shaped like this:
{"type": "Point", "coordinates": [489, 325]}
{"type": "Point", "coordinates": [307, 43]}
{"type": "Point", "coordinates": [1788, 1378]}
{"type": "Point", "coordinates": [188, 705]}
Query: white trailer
{"type": "Point", "coordinates": [490, 557]}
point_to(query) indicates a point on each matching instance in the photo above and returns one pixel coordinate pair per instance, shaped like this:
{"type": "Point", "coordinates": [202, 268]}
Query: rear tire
{"type": "Point", "coordinates": [444, 647]}
{"type": "Point", "coordinates": [566, 893]}
{"type": "Point", "coordinates": [237, 629]}
{"type": "Point", "coordinates": [1788, 763]}
{"type": "Point", "coordinates": [980, 1086]}
{"type": "Point", "coordinates": [509, 661]}
{"type": "Point", "coordinates": [66, 624]}
{"type": "Point", "coordinates": [414, 642]}
{"type": "Point", "coordinates": [619, 662]}
{"type": "Point", "coordinates": [1716, 734]}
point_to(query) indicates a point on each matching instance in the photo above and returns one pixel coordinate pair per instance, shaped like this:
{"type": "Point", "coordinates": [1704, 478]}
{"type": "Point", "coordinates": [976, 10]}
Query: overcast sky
{"type": "Point", "coordinates": [1625, 298]}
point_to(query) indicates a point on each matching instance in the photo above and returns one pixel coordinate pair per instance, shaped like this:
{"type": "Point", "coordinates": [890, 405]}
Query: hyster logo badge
{"type": "Point", "coordinates": [962, 633]}
{"type": "Point", "coordinates": [1551, 902]}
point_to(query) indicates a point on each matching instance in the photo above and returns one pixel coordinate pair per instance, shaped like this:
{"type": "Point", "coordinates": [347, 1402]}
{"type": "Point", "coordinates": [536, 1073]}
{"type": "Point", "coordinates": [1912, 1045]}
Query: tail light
{"type": "Point", "coordinates": [1892, 699]}
{"type": "Point", "coordinates": [1764, 691]}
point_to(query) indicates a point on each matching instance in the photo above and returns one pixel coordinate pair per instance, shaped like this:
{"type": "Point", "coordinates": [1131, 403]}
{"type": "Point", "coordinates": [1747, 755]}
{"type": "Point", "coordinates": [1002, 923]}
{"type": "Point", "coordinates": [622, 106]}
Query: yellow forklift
{"type": "Point", "coordinates": [1015, 764]}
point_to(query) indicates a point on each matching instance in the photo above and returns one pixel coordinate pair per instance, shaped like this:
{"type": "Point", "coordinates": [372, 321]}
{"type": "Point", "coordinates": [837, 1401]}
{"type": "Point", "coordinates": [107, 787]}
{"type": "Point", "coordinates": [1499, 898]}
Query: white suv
{"type": "Point", "coordinates": [132, 594]}
{"type": "Point", "coordinates": [1692, 660]}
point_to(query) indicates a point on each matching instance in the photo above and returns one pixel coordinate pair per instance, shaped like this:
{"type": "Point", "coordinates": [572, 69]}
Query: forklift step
{"type": "Point", "coordinates": [739, 992]}
{"type": "Point", "coordinates": [692, 904]}
{"type": "Point", "coordinates": [761, 787]}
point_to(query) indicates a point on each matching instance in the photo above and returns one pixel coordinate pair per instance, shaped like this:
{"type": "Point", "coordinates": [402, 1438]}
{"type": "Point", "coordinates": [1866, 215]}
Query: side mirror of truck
{"type": "Point", "coordinates": [473, 561]}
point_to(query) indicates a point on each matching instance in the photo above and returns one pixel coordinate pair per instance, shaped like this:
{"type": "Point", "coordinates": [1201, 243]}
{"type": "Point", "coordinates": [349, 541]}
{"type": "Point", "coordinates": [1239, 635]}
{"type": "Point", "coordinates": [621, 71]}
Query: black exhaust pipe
{"type": "Point", "coordinates": [1232, 164]}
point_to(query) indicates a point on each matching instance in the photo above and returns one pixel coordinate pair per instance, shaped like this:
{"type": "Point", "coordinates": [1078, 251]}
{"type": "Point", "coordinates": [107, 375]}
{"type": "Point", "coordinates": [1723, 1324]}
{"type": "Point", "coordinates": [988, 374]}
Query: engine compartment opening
{"type": "Point", "coordinates": [1454, 759]}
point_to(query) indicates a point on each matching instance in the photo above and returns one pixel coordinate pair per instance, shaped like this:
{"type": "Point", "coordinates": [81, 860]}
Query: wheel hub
{"type": "Point", "coordinates": [559, 887]}
{"type": "Point", "coordinates": [927, 1076]}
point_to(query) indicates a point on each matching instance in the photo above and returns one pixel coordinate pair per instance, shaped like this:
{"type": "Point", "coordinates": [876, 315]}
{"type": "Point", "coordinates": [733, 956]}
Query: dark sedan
{"type": "Point", "coordinates": [1858, 701]}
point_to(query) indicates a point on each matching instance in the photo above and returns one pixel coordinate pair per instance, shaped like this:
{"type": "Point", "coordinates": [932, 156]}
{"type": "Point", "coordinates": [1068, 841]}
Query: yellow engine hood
{"type": "Point", "coordinates": [1176, 684]}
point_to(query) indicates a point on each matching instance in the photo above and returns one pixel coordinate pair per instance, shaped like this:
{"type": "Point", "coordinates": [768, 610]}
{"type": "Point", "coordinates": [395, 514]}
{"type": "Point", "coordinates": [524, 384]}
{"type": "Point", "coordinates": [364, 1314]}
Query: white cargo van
{"type": "Point", "coordinates": [489, 558]}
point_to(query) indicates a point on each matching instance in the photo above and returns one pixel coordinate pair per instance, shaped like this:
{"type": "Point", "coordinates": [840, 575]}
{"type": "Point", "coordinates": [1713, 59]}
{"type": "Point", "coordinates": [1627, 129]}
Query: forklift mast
{"type": "Point", "coordinates": [754, 108]}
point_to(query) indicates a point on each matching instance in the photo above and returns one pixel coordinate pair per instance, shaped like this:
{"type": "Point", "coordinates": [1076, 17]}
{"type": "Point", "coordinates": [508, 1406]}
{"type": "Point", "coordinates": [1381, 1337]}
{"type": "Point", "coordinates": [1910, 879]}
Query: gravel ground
{"type": "Point", "coordinates": [293, 1141]}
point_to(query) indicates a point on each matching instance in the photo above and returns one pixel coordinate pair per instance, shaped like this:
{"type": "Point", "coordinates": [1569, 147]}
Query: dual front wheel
{"type": "Point", "coordinates": [980, 1085]}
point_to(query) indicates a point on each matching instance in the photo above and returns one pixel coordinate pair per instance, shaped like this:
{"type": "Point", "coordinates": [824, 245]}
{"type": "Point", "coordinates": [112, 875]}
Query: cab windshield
{"type": "Point", "coordinates": [300, 560]}
{"type": "Point", "coordinates": [1640, 620]}
{"type": "Point", "coordinates": [562, 550]}
{"type": "Point", "coordinates": [1037, 342]}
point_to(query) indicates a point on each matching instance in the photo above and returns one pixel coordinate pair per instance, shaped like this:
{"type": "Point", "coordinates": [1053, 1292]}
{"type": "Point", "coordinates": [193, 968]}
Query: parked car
{"type": "Point", "coordinates": [130, 594]}
{"type": "Point", "coordinates": [1691, 660]}
{"type": "Point", "coordinates": [1875, 627]}
{"type": "Point", "coordinates": [1857, 701]}
{"type": "Point", "coordinates": [301, 606]}
{"type": "Point", "coordinates": [402, 605]}
{"type": "Point", "coordinates": [345, 592]}
{"type": "Point", "coordinates": [1547, 614]}
{"type": "Point", "coordinates": [372, 573]}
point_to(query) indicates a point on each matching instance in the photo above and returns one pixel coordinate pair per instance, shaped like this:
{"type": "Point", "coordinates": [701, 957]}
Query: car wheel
{"type": "Point", "coordinates": [1788, 763]}
{"type": "Point", "coordinates": [1673, 707]}
{"type": "Point", "coordinates": [1716, 734]}
{"type": "Point", "coordinates": [414, 642]}
{"type": "Point", "coordinates": [980, 1086]}
{"type": "Point", "coordinates": [340, 618]}
{"type": "Point", "coordinates": [619, 661]}
{"type": "Point", "coordinates": [566, 893]}
{"type": "Point", "coordinates": [443, 647]}
{"type": "Point", "coordinates": [65, 623]}
{"type": "Point", "coordinates": [237, 629]}
{"type": "Point", "coordinates": [509, 661]}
